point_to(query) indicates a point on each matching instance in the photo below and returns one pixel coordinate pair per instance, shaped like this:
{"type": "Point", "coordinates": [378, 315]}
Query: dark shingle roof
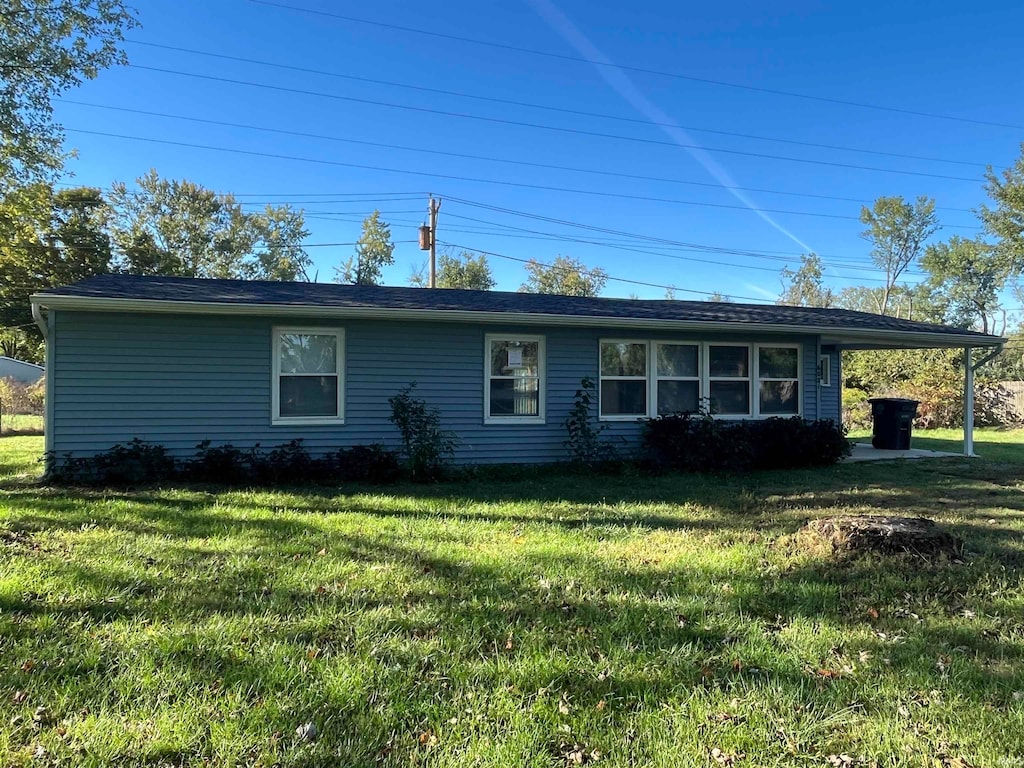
{"type": "Point", "coordinates": [329, 295]}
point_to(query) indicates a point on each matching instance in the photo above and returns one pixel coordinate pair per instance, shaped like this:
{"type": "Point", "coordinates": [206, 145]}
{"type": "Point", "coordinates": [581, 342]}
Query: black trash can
{"type": "Point", "coordinates": [893, 419]}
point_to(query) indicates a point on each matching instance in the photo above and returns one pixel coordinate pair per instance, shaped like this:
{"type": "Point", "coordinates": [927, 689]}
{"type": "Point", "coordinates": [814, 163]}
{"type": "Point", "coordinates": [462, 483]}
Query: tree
{"type": "Point", "coordinates": [719, 298]}
{"type": "Point", "coordinates": [966, 277]}
{"type": "Point", "coordinates": [1005, 219]}
{"type": "Point", "coordinates": [468, 271]}
{"type": "Point", "coordinates": [47, 239]}
{"type": "Point", "coordinates": [171, 227]}
{"type": "Point", "coordinates": [564, 276]}
{"type": "Point", "coordinates": [48, 48]}
{"type": "Point", "coordinates": [805, 287]}
{"type": "Point", "coordinates": [374, 251]}
{"type": "Point", "coordinates": [897, 231]}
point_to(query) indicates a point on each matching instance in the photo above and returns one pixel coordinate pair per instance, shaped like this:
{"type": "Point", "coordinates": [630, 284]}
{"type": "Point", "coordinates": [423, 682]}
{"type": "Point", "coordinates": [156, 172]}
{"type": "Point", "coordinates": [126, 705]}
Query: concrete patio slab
{"type": "Point", "coordinates": [866, 452]}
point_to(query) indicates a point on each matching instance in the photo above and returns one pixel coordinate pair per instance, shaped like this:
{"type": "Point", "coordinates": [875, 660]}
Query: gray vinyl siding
{"type": "Point", "coordinates": [178, 380]}
{"type": "Point", "coordinates": [831, 407]}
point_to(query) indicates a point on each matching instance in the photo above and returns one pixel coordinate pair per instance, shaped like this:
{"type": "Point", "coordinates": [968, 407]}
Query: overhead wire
{"type": "Point", "coordinates": [641, 70]}
{"type": "Point", "coordinates": [454, 177]}
{"type": "Point", "coordinates": [552, 108]}
{"type": "Point", "coordinates": [466, 156]}
{"type": "Point", "coordinates": [554, 128]}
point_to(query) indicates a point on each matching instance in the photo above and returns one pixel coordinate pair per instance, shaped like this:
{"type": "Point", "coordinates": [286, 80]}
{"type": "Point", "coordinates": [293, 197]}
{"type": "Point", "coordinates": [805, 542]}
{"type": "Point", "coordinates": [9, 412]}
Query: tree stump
{"type": "Point", "coordinates": [886, 535]}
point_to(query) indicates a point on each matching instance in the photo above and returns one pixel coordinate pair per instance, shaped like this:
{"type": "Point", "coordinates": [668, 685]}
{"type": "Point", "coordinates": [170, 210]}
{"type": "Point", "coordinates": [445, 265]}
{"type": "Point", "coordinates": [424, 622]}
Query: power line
{"type": "Point", "coordinates": [465, 156]}
{"type": "Point", "coordinates": [540, 126]}
{"type": "Point", "coordinates": [523, 185]}
{"type": "Point", "coordinates": [641, 70]}
{"type": "Point", "coordinates": [595, 272]}
{"type": "Point", "coordinates": [605, 230]}
{"type": "Point", "coordinates": [550, 108]}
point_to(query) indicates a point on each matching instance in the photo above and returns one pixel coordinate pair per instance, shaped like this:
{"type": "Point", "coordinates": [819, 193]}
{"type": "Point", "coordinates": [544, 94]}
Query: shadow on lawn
{"type": "Point", "coordinates": [453, 626]}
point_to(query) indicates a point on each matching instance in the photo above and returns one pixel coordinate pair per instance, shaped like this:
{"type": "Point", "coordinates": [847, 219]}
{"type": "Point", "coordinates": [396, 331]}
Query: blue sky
{"type": "Point", "coordinates": [959, 60]}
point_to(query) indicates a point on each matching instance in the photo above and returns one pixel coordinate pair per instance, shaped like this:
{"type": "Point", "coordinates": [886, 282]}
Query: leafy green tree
{"type": "Point", "coordinates": [897, 231]}
{"type": "Point", "coordinates": [966, 276]}
{"type": "Point", "coordinates": [48, 239]}
{"type": "Point", "coordinates": [49, 47]}
{"type": "Point", "coordinates": [720, 298]}
{"type": "Point", "coordinates": [468, 271]}
{"type": "Point", "coordinates": [565, 276]}
{"type": "Point", "coordinates": [805, 286]}
{"type": "Point", "coordinates": [1004, 220]}
{"type": "Point", "coordinates": [21, 344]}
{"type": "Point", "coordinates": [179, 228]}
{"type": "Point", "coordinates": [374, 251]}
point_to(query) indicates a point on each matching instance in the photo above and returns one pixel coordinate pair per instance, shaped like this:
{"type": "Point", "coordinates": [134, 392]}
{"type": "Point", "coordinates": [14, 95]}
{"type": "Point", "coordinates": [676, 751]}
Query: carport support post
{"type": "Point", "coordinates": [968, 403]}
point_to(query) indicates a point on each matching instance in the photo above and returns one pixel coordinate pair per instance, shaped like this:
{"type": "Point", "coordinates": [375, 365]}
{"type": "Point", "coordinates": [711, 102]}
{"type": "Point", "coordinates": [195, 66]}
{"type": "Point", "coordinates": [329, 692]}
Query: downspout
{"type": "Point", "coordinates": [45, 323]}
{"type": "Point", "coordinates": [969, 369]}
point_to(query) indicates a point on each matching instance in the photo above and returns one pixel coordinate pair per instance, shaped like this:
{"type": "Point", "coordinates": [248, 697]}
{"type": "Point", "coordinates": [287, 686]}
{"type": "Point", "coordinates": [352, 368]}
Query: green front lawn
{"type": "Point", "coordinates": [543, 621]}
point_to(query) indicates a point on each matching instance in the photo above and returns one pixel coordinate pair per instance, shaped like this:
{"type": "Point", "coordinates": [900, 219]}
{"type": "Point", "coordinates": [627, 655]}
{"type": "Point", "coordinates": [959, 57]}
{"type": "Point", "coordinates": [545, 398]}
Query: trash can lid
{"type": "Point", "coordinates": [900, 400]}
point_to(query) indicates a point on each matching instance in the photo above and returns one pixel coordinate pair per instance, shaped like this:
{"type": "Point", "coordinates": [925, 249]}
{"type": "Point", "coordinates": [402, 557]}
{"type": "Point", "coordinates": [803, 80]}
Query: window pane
{"type": "Point", "coordinates": [730, 397]}
{"type": "Point", "coordinates": [677, 360]}
{"type": "Point", "coordinates": [515, 397]}
{"type": "Point", "coordinates": [309, 396]}
{"type": "Point", "coordinates": [780, 397]}
{"type": "Point", "coordinates": [623, 359]}
{"type": "Point", "coordinates": [778, 363]}
{"type": "Point", "coordinates": [678, 397]}
{"type": "Point", "coordinates": [309, 353]}
{"type": "Point", "coordinates": [514, 358]}
{"type": "Point", "coordinates": [623, 398]}
{"type": "Point", "coordinates": [728, 361]}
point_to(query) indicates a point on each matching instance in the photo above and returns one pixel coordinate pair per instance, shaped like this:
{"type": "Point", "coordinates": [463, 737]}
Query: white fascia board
{"type": "Point", "coordinates": [852, 339]}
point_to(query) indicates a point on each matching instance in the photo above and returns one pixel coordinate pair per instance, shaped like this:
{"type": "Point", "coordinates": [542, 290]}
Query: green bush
{"type": "Point", "coordinates": [425, 445]}
{"type": "Point", "coordinates": [685, 443]}
{"type": "Point", "coordinates": [22, 399]}
{"type": "Point", "coordinates": [289, 464]}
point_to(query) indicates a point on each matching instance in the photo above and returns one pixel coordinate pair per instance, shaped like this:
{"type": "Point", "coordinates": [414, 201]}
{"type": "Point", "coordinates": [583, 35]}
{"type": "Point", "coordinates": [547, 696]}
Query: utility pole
{"type": "Point", "coordinates": [433, 206]}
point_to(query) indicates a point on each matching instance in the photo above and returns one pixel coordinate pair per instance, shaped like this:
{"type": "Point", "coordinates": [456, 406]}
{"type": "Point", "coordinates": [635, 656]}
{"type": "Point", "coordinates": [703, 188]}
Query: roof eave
{"type": "Point", "coordinates": [853, 339]}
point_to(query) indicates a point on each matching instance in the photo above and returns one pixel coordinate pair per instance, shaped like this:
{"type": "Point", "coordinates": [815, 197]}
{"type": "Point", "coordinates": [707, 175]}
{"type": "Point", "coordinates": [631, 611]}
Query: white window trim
{"type": "Point", "coordinates": [753, 379]}
{"type": "Point", "coordinates": [825, 370]}
{"type": "Point", "coordinates": [799, 379]}
{"type": "Point", "coordinates": [646, 378]}
{"type": "Point", "coordinates": [656, 379]}
{"type": "Point", "coordinates": [275, 384]}
{"type": "Point", "coordinates": [749, 378]}
{"type": "Point", "coordinates": [541, 417]}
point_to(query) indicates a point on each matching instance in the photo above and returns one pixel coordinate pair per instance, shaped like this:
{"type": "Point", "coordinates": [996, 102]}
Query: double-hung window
{"type": "Point", "coordinates": [514, 386]}
{"type": "Point", "coordinates": [729, 379]}
{"type": "Point", "coordinates": [308, 384]}
{"type": "Point", "coordinates": [677, 377]}
{"type": "Point", "coordinates": [778, 376]}
{"type": "Point", "coordinates": [623, 383]}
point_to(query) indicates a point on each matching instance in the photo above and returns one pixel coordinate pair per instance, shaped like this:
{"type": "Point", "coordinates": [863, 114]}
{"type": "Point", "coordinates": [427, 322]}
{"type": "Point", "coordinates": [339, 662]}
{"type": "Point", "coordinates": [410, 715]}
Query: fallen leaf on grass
{"type": "Point", "coordinates": [427, 739]}
{"type": "Point", "coordinates": [19, 697]}
{"type": "Point", "coordinates": [601, 705]}
{"type": "Point", "coordinates": [563, 704]}
{"type": "Point", "coordinates": [726, 759]}
{"type": "Point", "coordinates": [306, 731]}
{"type": "Point", "coordinates": [873, 613]}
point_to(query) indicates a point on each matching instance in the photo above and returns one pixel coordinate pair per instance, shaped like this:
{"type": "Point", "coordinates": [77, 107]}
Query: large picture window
{"type": "Point", "coordinates": [308, 386]}
{"type": "Point", "coordinates": [514, 386]}
{"type": "Point", "coordinates": [623, 379]}
{"type": "Point", "coordinates": [642, 379]}
{"type": "Point", "coordinates": [778, 375]}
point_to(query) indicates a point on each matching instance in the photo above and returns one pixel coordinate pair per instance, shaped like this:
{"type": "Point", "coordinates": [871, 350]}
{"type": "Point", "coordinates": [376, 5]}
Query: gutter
{"type": "Point", "coordinates": [105, 304]}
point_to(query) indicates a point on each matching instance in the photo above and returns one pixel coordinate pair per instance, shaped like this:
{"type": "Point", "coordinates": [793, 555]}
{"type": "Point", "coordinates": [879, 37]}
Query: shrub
{"type": "Point", "coordinates": [132, 464]}
{"type": "Point", "coordinates": [584, 441]}
{"type": "Point", "coordinates": [686, 443]}
{"type": "Point", "coordinates": [425, 445]}
{"type": "Point", "coordinates": [856, 409]}
{"type": "Point", "coordinates": [290, 464]}
{"type": "Point", "coordinates": [372, 464]}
